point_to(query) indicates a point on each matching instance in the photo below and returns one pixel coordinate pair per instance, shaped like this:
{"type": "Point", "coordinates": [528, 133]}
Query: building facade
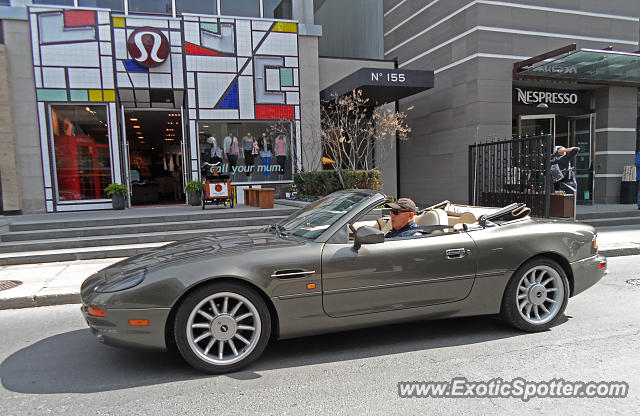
{"type": "Point", "coordinates": [472, 47]}
{"type": "Point", "coordinates": [146, 93]}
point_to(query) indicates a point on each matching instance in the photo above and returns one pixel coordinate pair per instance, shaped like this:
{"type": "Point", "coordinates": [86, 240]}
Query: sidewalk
{"type": "Point", "coordinates": [59, 283]}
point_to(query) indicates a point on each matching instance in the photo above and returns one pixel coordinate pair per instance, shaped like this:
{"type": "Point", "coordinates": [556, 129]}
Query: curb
{"type": "Point", "coordinates": [35, 301]}
{"type": "Point", "coordinates": [69, 298]}
{"type": "Point", "coordinates": [621, 251]}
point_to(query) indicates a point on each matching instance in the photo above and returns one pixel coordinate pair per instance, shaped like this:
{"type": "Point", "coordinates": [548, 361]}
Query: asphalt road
{"type": "Point", "coordinates": [50, 364]}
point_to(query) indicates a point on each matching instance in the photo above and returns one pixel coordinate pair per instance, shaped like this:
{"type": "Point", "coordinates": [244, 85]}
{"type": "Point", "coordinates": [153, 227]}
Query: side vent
{"type": "Point", "coordinates": [292, 274]}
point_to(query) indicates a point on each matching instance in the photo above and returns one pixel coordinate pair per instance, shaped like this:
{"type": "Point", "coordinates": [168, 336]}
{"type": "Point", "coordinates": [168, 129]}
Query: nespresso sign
{"type": "Point", "coordinates": [534, 97]}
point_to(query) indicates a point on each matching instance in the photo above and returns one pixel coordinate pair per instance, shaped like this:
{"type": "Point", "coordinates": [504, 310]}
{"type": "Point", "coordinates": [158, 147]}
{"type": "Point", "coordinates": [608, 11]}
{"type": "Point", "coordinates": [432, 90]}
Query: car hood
{"type": "Point", "coordinates": [216, 245]}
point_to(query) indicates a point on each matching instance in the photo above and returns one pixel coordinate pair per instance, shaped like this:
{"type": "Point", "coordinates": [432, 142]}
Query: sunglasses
{"type": "Point", "coordinates": [397, 211]}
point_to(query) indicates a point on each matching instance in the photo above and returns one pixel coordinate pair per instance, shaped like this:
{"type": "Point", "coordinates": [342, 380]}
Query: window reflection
{"type": "Point", "coordinates": [198, 7]}
{"type": "Point", "coordinates": [250, 8]}
{"type": "Point", "coordinates": [117, 5]}
{"type": "Point", "coordinates": [81, 146]}
{"type": "Point", "coordinates": [56, 2]}
{"type": "Point", "coordinates": [150, 6]}
{"type": "Point", "coordinates": [277, 9]}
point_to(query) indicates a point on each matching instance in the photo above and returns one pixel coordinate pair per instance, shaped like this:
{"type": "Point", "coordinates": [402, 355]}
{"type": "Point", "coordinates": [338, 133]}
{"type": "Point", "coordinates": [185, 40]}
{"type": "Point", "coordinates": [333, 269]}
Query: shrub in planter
{"type": "Point", "coordinates": [117, 192]}
{"type": "Point", "coordinates": [194, 190]}
{"type": "Point", "coordinates": [324, 182]}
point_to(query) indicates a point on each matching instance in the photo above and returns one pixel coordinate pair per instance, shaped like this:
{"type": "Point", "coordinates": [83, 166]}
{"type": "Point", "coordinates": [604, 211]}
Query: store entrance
{"type": "Point", "coordinates": [154, 141]}
{"type": "Point", "coordinates": [567, 131]}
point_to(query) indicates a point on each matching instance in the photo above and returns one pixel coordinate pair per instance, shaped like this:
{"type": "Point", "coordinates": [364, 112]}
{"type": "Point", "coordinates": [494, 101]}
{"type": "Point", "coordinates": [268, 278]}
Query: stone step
{"type": "Point", "coordinates": [111, 240]}
{"type": "Point", "coordinates": [608, 215]}
{"type": "Point", "coordinates": [85, 253]}
{"type": "Point", "coordinates": [129, 218]}
{"type": "Point", "coordinates": [142, 228]}
{"type": "Point", "coordinates": [612, 222]}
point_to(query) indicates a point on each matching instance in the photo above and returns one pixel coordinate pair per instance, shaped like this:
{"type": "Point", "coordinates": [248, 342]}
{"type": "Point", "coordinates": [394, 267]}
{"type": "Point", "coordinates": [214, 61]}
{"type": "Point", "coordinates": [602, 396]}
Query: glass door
{"type": "Point", "coordinates": [537, 125]}
{"type": "Point", "coordinates": [581, 134]}
{"type": "Point", "coordinates": [125, 152]}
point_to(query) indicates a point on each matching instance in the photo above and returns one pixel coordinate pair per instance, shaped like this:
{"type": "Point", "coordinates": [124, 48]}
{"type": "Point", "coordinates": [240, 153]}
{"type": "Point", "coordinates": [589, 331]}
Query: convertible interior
{"type": "Point", "coordinates": [444, 213]}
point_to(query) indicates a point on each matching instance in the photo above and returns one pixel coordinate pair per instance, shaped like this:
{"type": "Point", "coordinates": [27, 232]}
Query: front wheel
{"type": "Point", "coordinates": [536, 296]}
{"type": "Point", "coordinates": [222, 327]}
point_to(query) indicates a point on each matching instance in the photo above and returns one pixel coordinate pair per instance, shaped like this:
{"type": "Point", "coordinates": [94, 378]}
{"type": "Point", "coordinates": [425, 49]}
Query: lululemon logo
{"type": "Point", "coordinates": [148, 46]}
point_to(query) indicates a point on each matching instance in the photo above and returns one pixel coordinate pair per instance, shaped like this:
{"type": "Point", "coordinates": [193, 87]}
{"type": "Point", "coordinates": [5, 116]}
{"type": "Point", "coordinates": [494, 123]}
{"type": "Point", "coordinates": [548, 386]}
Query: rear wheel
{"type": "Point", "coordinates": [536, 296]}
{"type": "Point", "coordinates": [222, 327]}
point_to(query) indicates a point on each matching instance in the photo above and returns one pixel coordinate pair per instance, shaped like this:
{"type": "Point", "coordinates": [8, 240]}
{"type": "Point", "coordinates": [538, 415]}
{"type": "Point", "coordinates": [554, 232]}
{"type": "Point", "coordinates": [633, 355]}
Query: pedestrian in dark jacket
{"type": "Point", "coordinates": [562, 157]}
{"type": "Point", "coordinates": [638, 176]}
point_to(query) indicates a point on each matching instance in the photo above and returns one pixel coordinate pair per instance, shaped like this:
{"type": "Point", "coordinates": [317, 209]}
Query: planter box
{"type": "Point", "coordinates": [118, 201]}
{"type": "Point", "coordinates": [195, 199]}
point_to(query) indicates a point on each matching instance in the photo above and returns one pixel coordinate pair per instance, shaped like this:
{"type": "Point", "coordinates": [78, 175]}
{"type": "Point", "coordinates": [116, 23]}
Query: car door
{"type": "Point", "coordinates": [397, 274]}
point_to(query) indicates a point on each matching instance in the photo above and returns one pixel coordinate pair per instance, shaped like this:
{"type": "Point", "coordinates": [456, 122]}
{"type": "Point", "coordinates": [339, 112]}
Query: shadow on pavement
{"type": "Point", "coordinates": [74, 362]}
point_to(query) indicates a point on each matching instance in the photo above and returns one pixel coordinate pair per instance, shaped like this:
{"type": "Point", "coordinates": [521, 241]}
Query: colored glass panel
{"type": "Point", "coordinates": [286, 77]}
{"type": "Point", "coordinates": [79, 95]}
{"type": "Point", "coordinates": [79, 18]}
{"type": "Point", "coordinates": [274, 112]}
{"type": "Point", "coordinates": [95, 95]}
{"type": "Point", "coordinates": [211, 27]}
{"type": "Point", "coordinates": [109, 95]}
{"type": "Point", "coordinates": [191, 49]}
{"type": "Point", "coordinates": [51, 95]}
{"type": "Point", "coordinates": [230, 100]}
{"type": "Point", "coordinates": [289, 27]}
{"type": "Point", "coordinates": [118, 22]}
{"type": "Point", "coordinates": [133, 66]}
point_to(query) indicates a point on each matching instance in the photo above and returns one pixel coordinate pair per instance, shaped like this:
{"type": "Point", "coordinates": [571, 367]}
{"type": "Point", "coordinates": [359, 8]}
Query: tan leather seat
{"type": "Point", "coordinates": [433, 217]}
{"type": "Point", "coordinates": [384, 224]}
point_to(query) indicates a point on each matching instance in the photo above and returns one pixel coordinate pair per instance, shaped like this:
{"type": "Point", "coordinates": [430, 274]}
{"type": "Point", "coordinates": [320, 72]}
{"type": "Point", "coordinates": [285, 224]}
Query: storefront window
{"type": "Point", "coordinates": [117, 5]}
{"type": "Point", "coordinates": [56, 2]}
{"type": "Point", "coordinates": [197, 6]}
{"type": "Point", "coordinates": [250, 8]}
{"type": "Point", "coordinates": [150, 6]}
{"type": "Point", "coordinates": [277, 9]}
{"type": "Point", "coordinates": [246, 151]}
{"type": "Point", "coordinates": [81, 148]}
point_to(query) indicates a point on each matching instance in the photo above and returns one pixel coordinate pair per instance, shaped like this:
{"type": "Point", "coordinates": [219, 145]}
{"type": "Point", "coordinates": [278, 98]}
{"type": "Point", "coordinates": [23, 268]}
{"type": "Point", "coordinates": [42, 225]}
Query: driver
{"type": "Point", "coordinates": [402, 213]}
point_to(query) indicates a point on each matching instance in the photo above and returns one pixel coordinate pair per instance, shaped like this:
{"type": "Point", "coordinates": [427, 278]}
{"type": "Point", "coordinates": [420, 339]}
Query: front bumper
{"type": "Point", "coordinates": [588, 272]}
{"type": "Point", "coordinates": [114, 328]}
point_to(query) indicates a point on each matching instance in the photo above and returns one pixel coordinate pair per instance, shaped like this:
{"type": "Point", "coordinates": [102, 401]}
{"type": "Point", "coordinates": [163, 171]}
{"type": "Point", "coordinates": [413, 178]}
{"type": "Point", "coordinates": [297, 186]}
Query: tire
{"type": "Point", "coordinates": [536, 296]}
{"type": "Point", "coordinates": [240, 345]}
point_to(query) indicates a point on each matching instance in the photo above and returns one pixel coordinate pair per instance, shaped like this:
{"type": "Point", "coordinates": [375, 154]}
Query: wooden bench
{"type": "Point", "coordinates": [259, 197]}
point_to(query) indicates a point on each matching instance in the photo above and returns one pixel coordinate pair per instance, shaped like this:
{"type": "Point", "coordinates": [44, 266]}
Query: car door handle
{"type": "Point", "coordinates": [457, 253]}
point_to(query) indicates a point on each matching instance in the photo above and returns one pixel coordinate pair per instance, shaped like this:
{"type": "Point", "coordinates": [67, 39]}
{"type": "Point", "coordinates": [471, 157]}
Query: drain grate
{"type": "Point", "coordinates": [635, 282]}
{"type": "Point", "coordinates": [9, 284]}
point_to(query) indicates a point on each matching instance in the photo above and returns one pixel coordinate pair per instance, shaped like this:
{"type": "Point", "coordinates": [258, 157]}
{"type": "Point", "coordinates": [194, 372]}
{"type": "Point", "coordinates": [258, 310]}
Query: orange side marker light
{"type": "Point", "coordinates": [100, 313]}
{"type": "Point", "coordinates": [138, 322]}
{"type": "Point", "coordinates": [311, 286]}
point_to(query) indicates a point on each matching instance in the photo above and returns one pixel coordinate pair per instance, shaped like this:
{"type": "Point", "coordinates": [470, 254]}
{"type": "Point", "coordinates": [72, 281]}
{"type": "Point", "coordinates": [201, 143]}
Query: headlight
{"type": "Point", "coordinates": [122, 283]}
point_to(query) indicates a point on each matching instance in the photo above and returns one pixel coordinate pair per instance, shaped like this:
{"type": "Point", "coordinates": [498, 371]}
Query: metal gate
{"type": "Point", "coordinates": [516, 170]}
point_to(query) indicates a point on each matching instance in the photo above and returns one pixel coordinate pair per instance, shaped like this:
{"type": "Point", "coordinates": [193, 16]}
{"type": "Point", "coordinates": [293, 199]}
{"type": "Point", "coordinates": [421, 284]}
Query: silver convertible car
{"type": "Point", "coordinates": [328, 267]}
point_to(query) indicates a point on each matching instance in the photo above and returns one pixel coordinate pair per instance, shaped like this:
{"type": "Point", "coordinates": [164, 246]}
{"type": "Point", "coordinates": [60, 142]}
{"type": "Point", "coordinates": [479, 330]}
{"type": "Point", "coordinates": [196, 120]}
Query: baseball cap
{"type": "Point", "coordinates": [555, 149]}
{"type": "Point", "coordinates": [404, 204]}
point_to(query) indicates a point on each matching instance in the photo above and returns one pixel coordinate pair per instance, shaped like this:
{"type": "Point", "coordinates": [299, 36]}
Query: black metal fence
{"type": "Point", "coordinates": [516, 170]}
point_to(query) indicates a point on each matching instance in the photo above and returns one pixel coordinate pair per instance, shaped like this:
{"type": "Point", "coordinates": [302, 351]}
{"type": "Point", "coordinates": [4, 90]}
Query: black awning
{"type": "Point", "coordinates": [381, 86]}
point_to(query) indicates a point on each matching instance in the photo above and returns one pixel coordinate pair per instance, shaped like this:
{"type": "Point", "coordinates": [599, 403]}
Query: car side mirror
{"type": "Point", "coordinates": [367, 235]}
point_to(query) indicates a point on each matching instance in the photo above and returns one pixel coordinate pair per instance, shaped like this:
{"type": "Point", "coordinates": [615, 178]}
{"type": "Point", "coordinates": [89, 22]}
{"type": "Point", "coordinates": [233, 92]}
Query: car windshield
{"type": "Point", "coordinates": [311, 221]}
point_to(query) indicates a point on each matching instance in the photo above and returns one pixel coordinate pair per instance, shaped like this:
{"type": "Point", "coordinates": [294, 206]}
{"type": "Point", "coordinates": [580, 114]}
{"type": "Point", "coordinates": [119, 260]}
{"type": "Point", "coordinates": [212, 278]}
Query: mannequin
{"type": "Point", "coordinates": [247, 147]}
{"type": "Point", "coordinates": [280, 148]}
{"type": "Point", "coordinates": [230, 146]}
{"type": "Point", "coordinates": [265, 153]}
